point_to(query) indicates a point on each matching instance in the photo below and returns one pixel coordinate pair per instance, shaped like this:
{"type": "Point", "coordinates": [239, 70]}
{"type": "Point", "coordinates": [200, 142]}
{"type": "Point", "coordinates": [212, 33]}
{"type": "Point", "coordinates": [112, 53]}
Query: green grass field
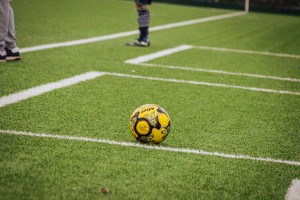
{"type": "Point", "coordinates": [206, 117]}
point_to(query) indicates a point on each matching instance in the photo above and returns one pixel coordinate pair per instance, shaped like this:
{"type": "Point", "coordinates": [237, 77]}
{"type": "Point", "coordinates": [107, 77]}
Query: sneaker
{"type": "Point", "coordinates": [3, 56]}
{"type": "Point", "coordinates": [13, 54]}
{"type": "Point", "coordinates": [139, 43]}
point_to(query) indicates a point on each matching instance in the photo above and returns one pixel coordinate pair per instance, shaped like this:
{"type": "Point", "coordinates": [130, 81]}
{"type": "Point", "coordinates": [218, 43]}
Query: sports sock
{"type": "Point", "coordinates": [144, 22]}
{"type": "Point", "coordinates": [143, 33]}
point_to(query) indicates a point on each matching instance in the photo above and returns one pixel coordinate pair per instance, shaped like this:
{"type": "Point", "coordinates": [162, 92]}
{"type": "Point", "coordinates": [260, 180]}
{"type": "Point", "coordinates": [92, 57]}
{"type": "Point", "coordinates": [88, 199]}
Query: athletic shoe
{"type": "Point", "coordinates": [13, 54]}
{"type": "Point", "coordinates": [139, 43]}
{"type": "Point", "coordinates": [3, 56]}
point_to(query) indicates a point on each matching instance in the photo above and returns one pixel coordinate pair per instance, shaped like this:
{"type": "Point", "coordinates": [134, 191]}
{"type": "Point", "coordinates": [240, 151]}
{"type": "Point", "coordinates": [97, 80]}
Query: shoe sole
{"type": "Point", "coordinates": [134, 44]}
{"type": "Point", "coordinates": [13, 58]}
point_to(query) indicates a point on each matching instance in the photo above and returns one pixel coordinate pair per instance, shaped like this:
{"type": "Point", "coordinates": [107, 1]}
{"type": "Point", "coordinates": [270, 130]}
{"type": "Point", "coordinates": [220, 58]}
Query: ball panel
{"type": "Point", "coordinates": [157, 136]}
{"type": "Point", "coordinates": [142, 127]}
{"type": "Point", "coordinates": [163, 119]}
{"type": "Point", "coordinates": [149, 112]}
{"type": "Point", "coordinates": [132, 131]}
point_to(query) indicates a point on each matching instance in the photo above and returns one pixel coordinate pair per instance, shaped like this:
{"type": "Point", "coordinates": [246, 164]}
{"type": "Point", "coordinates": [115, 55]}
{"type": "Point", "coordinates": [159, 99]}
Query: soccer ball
{"type": "Point", "coordinates": [150, 123]}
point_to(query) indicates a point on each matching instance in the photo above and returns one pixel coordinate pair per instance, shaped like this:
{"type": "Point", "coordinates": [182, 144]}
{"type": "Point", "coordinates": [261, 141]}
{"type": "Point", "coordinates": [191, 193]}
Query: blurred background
{"type": "Point", "coordinates": [275, 6]}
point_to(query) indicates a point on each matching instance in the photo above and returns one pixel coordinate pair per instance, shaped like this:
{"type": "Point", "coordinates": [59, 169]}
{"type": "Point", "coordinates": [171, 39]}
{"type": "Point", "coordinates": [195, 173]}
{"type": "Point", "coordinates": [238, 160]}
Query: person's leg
{"type": "Point", "coordinates": [4, 15]}
{"type": "Point", "coordinates": [11, 41]}
{"type": "Point", "coordinates": [143, 19]}
{"type": "Point", "coordinates": [11, 36]}
{"type": "Point", "coordinates": [143, 23]}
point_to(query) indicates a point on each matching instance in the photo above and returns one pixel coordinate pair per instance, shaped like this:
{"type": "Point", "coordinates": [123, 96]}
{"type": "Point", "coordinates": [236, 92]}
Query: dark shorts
{"type": "Point", "coordinates": [145, 2]}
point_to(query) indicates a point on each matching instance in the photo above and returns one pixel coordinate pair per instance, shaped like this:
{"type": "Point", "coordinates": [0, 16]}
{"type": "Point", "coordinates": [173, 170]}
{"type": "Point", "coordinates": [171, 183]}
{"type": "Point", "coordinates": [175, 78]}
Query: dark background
{"type": "Point", "coordinates": [276, 6]}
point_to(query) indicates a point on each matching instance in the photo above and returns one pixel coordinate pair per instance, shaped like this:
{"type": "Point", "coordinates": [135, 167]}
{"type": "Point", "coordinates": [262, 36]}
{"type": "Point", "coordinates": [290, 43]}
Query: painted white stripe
{"type": "Point", "coordinates": [197, 21]}
{"type": "Point", "coordinates": [155, 147]}
{"type": "Point", "coordinates": [248, 52]}
{"type": "Point", "coordinates": [293, 192]}
{"type": "Point", "coordinates": [158, 54]}
{"type": "Point", "coordinates": [39, 90]}
{"type": "Point", "coordinates": [205, 83]}
{"type": "Point", "coordinates": [78, 42]}
{"type": "Point", "coordinates": [141, 59]}
{"type": "Point", "coordinates": [220, 72]}
{"type": "Point", "coordinates": [128, 33]}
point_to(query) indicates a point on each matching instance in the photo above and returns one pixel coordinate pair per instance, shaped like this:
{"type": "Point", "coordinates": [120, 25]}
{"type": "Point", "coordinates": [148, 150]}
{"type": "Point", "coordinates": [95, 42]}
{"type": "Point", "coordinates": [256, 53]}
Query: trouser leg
{"type": "Point", "coordinates": [11, 36]}
{"type": "Point", "coordinates": [4, 20]}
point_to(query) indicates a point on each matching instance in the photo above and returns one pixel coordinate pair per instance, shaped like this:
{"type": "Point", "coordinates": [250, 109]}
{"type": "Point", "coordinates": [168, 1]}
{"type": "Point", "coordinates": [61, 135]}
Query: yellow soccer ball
{"type": "Point", "coordinates": [150, 123]}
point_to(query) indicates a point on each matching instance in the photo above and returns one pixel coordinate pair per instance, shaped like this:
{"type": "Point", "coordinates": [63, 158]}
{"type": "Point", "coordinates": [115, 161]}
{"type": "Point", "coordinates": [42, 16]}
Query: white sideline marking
{"type": "Point", "coordinates": [197, 21]}
{"type": "Point", "coordinates": [39, 90]}
{"type": "Point", "coordinates": [248, 52]}
{"type": "Point", "coordinates": [221, 72]}
{"type": "Point", "coordinates": [129, 33]}
{"type": "Point", "coordinates": [293, 191]}
{"type": "Point", "coordinates": [156, 147]}
{"type": "Point", "coordinates": [78, 42]}
{"type": "Point", "coordinates": [142, 59]}
{"type": "Point", "coordinates": [158, 54]}
{"type": "Point", "coordinates": [205, 83]}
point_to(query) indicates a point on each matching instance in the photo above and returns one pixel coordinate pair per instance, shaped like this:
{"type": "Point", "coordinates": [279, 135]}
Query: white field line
{"type": "Point", "coordinates": [197, 21]}
{"type": "Point", "coordinates": [158, 54]}
{"type": "Point", "coordinates": [128, 33]}
{"type": "Point", "coordinates": [78, 42]}
{"type": "Point", "coordinates": [39, 90]}
{"type": "Point", "coordinates": [205, 83]}
{"type": "Point", "coordinates": [155, 147]}
{"type": "Point", "coordinates": [293, 192]}
{"type": "Point", "coordinates": [221, 72]}
{"type": "Point", "coordinates": [248, 52]}
{"type": "Point", "coordinates": [142, 59]}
